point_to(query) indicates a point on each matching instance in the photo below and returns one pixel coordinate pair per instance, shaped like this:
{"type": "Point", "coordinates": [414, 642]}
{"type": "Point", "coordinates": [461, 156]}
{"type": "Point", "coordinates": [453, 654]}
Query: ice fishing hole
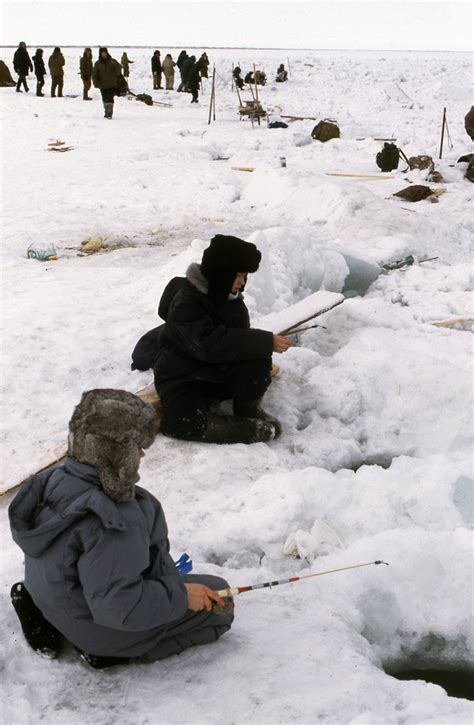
{"type": "Point", "coordinates": [456, 682]}
{"type": "Point", "coordinates": [438, 661]}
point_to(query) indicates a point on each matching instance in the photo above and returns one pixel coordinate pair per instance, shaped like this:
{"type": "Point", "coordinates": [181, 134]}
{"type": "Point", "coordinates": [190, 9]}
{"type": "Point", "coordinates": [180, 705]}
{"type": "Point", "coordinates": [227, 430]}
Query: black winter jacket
{"type": "Point", "coordinates": [22, 62]}
{"type": "Point", "coordinates": [38, 62]}
{"type": "Point", "coordinates": [201, 337]}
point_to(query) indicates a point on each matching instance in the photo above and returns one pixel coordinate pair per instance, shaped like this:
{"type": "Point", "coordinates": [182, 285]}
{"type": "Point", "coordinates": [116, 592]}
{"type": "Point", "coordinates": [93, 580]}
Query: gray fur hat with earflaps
{"type": "Point", "coordinates": [106, 430]}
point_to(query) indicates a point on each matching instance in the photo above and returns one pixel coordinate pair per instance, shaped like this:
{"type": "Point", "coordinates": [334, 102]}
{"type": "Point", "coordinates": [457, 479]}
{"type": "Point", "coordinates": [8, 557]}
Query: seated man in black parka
{"type": "Point", "coordinates": [207, 351]}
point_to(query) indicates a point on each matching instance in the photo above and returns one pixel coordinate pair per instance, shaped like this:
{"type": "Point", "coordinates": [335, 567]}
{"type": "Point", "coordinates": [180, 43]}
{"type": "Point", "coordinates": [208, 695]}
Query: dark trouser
{"type": "Point", "coordinates": [22, 80]}
{"type": "Point", "coordinates": [39, 85]}
{"type": "Point", "coordinates": [195, 627]}
{"type": "Point", "coordinates": [107, 94]}
{"type": "Point", "coordinates": [57, 82]}
{"type": "Point", "coordinates": [195, 91]}
{"type": "Point", "coordinates": [186, 405]}
{"type": "Point", "coordinates": [86, 84]}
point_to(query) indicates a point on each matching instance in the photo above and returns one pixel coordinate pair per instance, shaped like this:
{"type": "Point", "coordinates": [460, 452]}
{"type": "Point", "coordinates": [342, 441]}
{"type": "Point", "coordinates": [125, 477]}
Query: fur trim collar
{"type": "Point", "coordinates": [196, 278]}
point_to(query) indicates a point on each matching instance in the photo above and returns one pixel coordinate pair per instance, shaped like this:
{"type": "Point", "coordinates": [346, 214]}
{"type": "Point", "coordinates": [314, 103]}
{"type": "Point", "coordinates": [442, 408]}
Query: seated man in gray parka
{"type": "Point", "coordinates": [97, 564]}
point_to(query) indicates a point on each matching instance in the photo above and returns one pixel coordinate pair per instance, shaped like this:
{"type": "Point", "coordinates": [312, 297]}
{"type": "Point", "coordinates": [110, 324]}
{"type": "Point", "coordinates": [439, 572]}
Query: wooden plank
{"type": "Point", "coordinates": [360, 176]}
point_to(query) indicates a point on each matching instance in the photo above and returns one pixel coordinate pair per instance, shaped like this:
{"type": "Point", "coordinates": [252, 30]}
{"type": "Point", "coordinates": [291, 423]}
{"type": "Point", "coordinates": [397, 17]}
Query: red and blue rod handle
{"type": "Point", "coordinates": [233, 591]}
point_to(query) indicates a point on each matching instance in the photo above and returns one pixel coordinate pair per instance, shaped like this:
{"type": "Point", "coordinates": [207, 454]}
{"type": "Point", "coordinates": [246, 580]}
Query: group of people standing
{"type": "Point", "coordinates": [191, 71]}
{"type": "Point", "coordinates": [105, 73]}
{"type": "Point", "coordinates": [23, 65]}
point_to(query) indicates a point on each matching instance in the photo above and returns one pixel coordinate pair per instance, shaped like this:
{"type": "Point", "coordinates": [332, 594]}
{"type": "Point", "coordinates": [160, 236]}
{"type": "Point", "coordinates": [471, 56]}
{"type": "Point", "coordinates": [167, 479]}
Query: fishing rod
{"type": "Point", "coordinates": [233, 591]}
{"type": "Point", "coordinates": [301, 329]}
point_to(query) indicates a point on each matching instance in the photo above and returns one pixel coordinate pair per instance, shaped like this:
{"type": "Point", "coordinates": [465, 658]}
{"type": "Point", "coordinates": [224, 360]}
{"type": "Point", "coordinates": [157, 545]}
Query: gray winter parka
{"type": "Point", "coordinates": [99, 571]}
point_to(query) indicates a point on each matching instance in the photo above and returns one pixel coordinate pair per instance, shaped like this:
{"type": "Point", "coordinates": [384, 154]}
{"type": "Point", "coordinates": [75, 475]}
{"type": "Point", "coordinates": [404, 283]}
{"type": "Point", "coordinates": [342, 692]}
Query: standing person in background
{"type": "Point", "coordinates": [168, 70]}
{"type": "Point", "coordinates": [22, 65]}
{"type": "Point", "coordinates": [40, 71]}
{"type": "Point", "coordinates": [180, 62]}
{"type": "Point", "coordinates": [185, 71]}
{"type": "Point", "coordinates": [124, 62]}
{"type": "Point", "coordinates": [204, 65]}
{"type": "Point", "coordinates": [194, 80]}
{"type": "Point", "coordinates": [105, 77]}
{"type": "Point", "coordinates": [85, 67]}
{"type": "Point", "coordinates": [56, 68]}
{"type": "Point", "coordinates": [156, 70]}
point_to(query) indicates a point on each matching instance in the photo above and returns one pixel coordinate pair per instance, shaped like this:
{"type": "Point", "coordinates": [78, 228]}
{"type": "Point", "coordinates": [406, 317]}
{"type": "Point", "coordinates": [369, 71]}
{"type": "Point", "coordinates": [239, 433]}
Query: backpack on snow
{"type": "Point", "coordinates": [145, 351]}
{"type": "Point", "coordinates": [388, 158]}
{"type": "Point", "coordinates": [325, 130]}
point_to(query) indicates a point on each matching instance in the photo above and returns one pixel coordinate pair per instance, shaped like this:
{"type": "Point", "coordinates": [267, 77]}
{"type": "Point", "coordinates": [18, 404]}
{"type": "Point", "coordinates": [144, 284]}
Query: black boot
{"type": "Point", "coordinates": [252, 409]}
{"type": "Point", "coordinates": [109, 110]}
{"type": "Point", "coordinates": [231, 429]}
{"type": "Point", "coordinates": [39, 633]}
{"type": "Point", "coordinates": [100, 662]}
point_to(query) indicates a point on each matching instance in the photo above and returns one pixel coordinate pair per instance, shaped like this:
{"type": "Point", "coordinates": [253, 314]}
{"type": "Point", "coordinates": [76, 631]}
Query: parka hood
{"type": "Point", "coordinates": [50, 502]}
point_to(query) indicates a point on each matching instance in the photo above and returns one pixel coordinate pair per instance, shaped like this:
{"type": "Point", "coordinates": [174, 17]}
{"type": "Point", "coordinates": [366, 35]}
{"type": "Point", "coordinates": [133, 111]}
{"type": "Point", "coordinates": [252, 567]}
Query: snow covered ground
{"type": "Point", "coordinates": [376, 408]}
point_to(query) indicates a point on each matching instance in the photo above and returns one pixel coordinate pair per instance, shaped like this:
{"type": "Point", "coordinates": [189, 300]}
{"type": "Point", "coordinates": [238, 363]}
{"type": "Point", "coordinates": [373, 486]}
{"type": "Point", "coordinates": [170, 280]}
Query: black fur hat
{"type": "Point", "coordinates": [106, 430]}
{"type": "Point", "coordinates": [223, 259]}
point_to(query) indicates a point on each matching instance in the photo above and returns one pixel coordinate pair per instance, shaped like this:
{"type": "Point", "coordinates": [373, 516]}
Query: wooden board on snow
{"type": "Point", "coordinates": [276, 322]}
{"type": "Point", "coordinates": [312, 306]}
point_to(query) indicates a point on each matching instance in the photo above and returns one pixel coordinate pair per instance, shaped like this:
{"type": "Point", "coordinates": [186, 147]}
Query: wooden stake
{"type": "Point", "coordinates": [300, 118]}
{"type": "Point", "coordinates": [289, 66]}
{"type": "Point", "coordinates": [255, 81]}
{"type": "Point", "coordinates": [211, 102]}
{"type": "Point", "coordinates": [457, 321]}
{"type": "Point", "coordinates": [238, 94]}
{"type": "Point", "coordinates": [214, 94]}
{"type": "Point", "coordinates": [360, 176]}
{"type": "Point", "coordinates": [442, 134]}
{"type": "Point", "coordinates": [243, 168]}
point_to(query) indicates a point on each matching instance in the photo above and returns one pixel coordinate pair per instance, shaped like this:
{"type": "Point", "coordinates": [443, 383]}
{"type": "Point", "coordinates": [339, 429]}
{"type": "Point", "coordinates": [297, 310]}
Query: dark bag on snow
{"type": "Point", "coordinates": [145, 351]}
{"type": "Point", "coordinates": [144, 98]}
{"type": "Point", "coordinates": [388, 158]}
{"type": "Point", "coordinates": [122, 85]}
{"type": "Point", "coordinates": [417, 192]}
{"type": "Point", "coordinates": [325, 130]}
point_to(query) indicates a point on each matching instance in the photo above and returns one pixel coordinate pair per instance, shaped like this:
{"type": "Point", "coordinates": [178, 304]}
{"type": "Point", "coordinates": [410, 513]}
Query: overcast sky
{"type": "Point", "coordinates": [373, 24]}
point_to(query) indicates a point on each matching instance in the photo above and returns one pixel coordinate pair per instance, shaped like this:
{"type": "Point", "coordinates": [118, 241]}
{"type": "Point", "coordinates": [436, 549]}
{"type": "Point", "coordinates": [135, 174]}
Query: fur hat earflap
{"type": "Point", "coordinates": [106, 430]}
{"type": "Point", "coordinates": [223, 259]}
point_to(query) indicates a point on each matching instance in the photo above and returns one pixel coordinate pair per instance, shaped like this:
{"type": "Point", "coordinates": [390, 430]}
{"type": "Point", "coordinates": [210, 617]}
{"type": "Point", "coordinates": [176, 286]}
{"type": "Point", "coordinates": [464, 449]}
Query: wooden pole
{"type": "Point", "coordinates": [212, 95]}
{"type": "Point", "coordinates": [255, 81]}
{"type": "Point", "coordinates": [360, 176]}
{"type": "Point", "coordinates": [232, 81]}
{"type": "Point", "coordinates": [442, 134]}
{"type": "Point", "coordinates": [289, 66]}
{"type": "Point", "coordinates": [238, 94]}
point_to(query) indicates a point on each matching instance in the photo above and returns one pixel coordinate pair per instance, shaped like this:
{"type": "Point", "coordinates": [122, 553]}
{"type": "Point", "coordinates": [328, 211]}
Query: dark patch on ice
{"type": "Point", "coordinates": [439, 661]}
{"type": "Point", "coordinates": [456, 682]}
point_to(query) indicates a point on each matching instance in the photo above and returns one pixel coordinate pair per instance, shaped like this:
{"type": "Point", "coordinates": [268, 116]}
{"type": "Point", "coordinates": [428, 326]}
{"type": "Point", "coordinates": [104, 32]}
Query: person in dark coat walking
{"type": "Point", "coordinates": [22, 65]}
{"type": "Point", "coordinates": [193, 80]}
{"type": "Point", "coordinates": [98, 571]}
{"type": "Point", "coordinates": [40, 71]}
{"type": "Point", "coordinates": [180, 62]}
{"type": "Point", "coordinates": [56, 68]}
{"type": "Point", "coordinates": [156, 70]}
{"type": "Point", "coordinates": [105, 77]}
{"type": "Point", "coordinates": [207, 351]}
{"type": "Point", "coordinates": [85, 70]}
{"type": "Point", "coordinates": [204, 65]}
